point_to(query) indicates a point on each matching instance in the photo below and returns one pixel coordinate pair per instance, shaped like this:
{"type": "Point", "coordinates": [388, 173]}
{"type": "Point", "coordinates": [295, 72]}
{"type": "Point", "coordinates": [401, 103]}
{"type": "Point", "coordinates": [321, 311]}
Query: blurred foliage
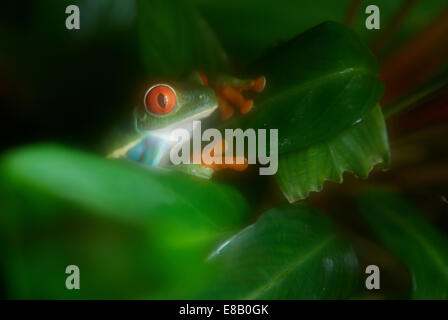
{"type": "Point", "coordinates": [248, 28]}
{"type": "Point", "coordinates": [284, 248]}
{"type": "Point", "coordinates": [401, 19]}
{"type": "Point", "coordinates": [146, 233]}
{"type": "Point", "coordinates": [403, 229]}
{"type": "Point", "coordinates": [175, 39]}
{"type": "Point", "coordinates": [63, 85]}
{"type": "Point", "coordinates": [123, 225]}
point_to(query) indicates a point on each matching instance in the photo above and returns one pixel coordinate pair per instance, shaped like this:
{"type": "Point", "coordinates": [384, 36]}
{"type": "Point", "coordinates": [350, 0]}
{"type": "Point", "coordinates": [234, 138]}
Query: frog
{"type": "Point", "coordinates": [171, 105]}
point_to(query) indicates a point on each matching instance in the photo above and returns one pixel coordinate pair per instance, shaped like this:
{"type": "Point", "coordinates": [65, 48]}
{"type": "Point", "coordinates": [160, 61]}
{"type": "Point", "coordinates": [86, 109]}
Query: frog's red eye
{"type": "Point", "coordinates": [160, 99]}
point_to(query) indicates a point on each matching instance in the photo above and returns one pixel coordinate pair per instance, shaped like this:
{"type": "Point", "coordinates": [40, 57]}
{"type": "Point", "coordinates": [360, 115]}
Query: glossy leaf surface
{"type": "Point", "coordinates": [318, 84]}
{"type": "Point", "coordinates": [289, 253]}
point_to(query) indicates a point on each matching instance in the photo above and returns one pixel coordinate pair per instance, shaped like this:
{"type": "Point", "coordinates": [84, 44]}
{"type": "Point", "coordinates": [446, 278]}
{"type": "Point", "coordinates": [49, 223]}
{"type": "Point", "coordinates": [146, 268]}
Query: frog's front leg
{"type": "Point", "coordinates": [230, 93]}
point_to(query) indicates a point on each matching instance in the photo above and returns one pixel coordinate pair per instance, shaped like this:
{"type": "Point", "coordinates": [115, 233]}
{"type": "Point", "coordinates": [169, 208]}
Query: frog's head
{"type": "Point", "coordinates": [169, 106]}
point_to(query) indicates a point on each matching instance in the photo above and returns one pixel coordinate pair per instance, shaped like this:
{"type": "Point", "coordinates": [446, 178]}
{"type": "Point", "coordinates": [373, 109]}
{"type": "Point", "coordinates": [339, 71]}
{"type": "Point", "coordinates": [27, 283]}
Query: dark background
{"type": "Point", "coordinates": [62, 85]}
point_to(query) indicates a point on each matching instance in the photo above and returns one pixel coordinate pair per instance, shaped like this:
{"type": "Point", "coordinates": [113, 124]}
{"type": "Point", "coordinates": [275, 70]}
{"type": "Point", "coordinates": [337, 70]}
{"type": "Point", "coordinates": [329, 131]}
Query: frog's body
{"type": "Point", "coordinates": [177, 106]}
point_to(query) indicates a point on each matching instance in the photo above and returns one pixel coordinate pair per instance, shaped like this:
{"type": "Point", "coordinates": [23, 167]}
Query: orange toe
{"type": "Point", "coordinates": [226, 110]}
{"type": "Point", "coordinates": [247, 106]}
{"type": "Point", "coordinates": [259, 84]}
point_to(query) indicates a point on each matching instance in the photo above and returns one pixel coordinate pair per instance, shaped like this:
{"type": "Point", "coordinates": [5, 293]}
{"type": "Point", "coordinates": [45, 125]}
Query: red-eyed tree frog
{"type": "Point", "coordinates": [169, 106]}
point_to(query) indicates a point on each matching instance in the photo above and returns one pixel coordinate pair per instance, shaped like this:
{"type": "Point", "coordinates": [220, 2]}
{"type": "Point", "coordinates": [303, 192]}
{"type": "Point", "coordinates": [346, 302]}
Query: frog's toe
{"type": "Point", "coordinates": [234, 96]}
{"type": "Point", "coordinates": [224, 107]}
{"type": "Point", "coordinates": [246, 106]}
{"type": "Point", "coordinates": [259, 84]}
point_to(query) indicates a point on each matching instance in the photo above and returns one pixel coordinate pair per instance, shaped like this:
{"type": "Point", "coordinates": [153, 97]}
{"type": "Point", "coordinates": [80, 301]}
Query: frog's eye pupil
{"type": "Point", "coordinates": [160, 99]}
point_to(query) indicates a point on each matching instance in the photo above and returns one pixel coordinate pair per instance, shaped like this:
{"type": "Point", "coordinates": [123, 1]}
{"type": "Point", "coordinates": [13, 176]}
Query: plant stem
{"type": "Point", "coordinates": [410, 100]}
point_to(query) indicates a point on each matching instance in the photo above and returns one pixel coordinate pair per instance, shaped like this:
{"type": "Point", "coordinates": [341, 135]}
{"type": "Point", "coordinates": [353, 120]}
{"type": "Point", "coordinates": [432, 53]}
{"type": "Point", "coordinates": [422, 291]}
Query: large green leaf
{"type": "Point", "coordinates": [357, 150]}
{"type": "Point", "coordinates": [174, 39]}
{"type": "Point", "coordinates": [403, 229]}
{"type": "Point", "coordinates": [134, 232]}
{"type": "Point", "coordinates": [322, 94]}
{"type": "Point", "coordinates": [289, 253]}
{"type": "Point", "coordinates": [318, 84]}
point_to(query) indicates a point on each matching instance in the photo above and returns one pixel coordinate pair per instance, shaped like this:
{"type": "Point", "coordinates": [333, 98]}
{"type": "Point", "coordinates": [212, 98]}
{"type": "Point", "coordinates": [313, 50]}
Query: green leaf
{"type": "Point", "coordinates": [174, 39]}
{"type": "Point", "coordinates": [357, 150]}
{"type": "Point", "coordinates": [318, 84]}
{"type": "Point", "coordinates": [289, 253]}
{"type": "Point", "coordinates": [403, 229]}
{"type": "Point", "coordinates": [134, 232]}
{"type": "Point", "coordinates": [322, 89]}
